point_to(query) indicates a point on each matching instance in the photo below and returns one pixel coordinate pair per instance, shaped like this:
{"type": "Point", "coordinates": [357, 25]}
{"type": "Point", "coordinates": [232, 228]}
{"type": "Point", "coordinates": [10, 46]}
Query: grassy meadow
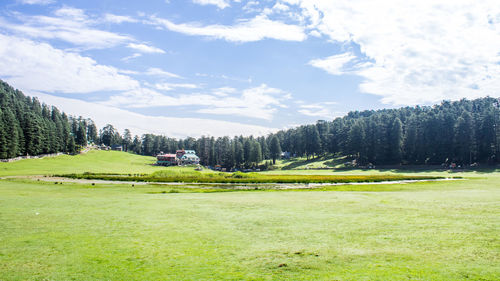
{"type": "Point", "coordinates": [93, 161]}
{"type": "Point", "coordinates": [444, 230]}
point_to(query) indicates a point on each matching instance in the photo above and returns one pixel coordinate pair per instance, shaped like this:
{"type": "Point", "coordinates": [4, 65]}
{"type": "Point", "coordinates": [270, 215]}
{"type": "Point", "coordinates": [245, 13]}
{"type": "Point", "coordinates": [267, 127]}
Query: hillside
{"type": "Point", "coordinates": [93, 161]}
{"type": "Point", "coordinates": [462, 132]}
{"type": "Point", "coordinates": [28, 127]}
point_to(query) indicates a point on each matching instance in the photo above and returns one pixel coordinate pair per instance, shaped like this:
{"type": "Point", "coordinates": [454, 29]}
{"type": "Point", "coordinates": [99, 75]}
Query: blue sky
{"type": "Point", "coordinates": [226, 67]}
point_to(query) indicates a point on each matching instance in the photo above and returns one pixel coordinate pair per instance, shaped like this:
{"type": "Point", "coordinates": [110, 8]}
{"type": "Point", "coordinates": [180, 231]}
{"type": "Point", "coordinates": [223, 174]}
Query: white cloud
{"type": "Point", "coordinates": [132, 56]}
{"type": "Point", "coordinates": [118, 19]}
{"type": "Point", "coordinates": [225, 77]}
{"type": "Point", "coordinates": [259, 102]}
{"type": "Point", "coordinates": [421, 51]}
{"type": "Point", "coordinates": [249, 30]}
{"type": "Point", "coordinates": [40, 67]}
{"type": "Point", "coordinates": [221, 4]}
{"type": "Point", "coordinates": [315, 33]}
{"type": "Point", "coordinates": [128, 72]}
{"type": "Point", "coordinates": [281, 7]}
{"type": "Point", "coordinates": [71, 13]}
{"type": "Point", "coordinates": [36, 2]}
{"type": "Point", "coordinates": [154, 71]}
{"type": "Point", "coordinates": [224, 91]}
{"type": "Point", "coordinates": [320, 110]}
{"type": "Point", "coordinates": [252, 6]}
{"type": "Point", "coordinates": [145, 48]}
{"type": "Point", "coordinates": [140, 98]}
{"type": "Point", "coordinates": [70, 25]}
{"type": "Point", "coordinates": [171, 86]}
{"type": "Point", "coordinates": [141, 124]}
{"type": "Point", "coordinates": [278, 8]}
{"type": "Point", "coordinates": [334, 64]}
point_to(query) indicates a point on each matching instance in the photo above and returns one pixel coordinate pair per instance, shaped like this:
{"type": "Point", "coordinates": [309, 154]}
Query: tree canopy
{"type": "Point", "coordinates": [463, 132]}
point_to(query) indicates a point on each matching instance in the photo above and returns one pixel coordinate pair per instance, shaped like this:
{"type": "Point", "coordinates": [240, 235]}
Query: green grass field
{"type": "Point", "coordinates": [93, 161]}
{"type": "Point", "coordinates": [418, 231]}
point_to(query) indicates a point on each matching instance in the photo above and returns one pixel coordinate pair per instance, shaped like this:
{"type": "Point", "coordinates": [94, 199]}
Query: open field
{"type": "Point", "coordinates": [422, 231]}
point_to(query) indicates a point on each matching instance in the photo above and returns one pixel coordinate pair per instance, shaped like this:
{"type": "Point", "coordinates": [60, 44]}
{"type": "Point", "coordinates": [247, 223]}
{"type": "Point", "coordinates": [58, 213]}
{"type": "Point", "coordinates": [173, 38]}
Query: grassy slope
{"type": "Point", "coordinates": [318, 162]}
{"type": "Point", "coordinates": [94, 161]}
{"type": "Point", "coordinates": [424, 231]}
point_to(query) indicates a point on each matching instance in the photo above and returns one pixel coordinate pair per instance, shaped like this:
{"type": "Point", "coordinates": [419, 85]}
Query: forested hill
{"type": "Point", "coordinates": [30, 128]}
{"type": "Point", "coordinates": [463, 132]}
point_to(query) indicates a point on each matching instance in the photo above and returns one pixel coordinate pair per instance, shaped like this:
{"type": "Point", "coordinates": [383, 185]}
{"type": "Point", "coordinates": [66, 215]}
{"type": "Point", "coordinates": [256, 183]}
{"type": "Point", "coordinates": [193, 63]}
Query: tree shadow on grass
{"type": "Point", "coordinates": [294, 163]}
{"type": "Point", "coordinates": [426, 169]}
{"type": "Point", "coordinates": [336, 162]}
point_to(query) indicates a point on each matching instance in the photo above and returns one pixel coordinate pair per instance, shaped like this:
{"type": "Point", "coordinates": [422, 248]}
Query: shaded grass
{"type": "Point", "coordinates": [321, 162]}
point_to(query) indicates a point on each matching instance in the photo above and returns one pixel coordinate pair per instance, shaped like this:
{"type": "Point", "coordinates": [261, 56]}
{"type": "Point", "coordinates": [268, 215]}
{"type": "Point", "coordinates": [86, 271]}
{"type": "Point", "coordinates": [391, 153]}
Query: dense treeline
{"type": "Point", "coordinates": [462, 132]}
{"type": "Point", "coordinates": [28, 127]}
{"type": "Point", "coordinates": [227, 152]}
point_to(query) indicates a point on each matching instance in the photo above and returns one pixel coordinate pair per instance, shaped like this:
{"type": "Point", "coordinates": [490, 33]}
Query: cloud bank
{"type": "Point", "coordinates": [419, 51]}
{"type": "Point", "coordinates": [247, 30]}
{"type": "Point", "coordinates": [30, 65]}
{"type": "Point", "coordinates": [142, 124]}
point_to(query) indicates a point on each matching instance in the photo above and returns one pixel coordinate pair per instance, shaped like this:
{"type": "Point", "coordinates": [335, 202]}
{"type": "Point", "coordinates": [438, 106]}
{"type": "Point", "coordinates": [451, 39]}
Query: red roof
{"type": "Point", "coordinates": [166, 155]}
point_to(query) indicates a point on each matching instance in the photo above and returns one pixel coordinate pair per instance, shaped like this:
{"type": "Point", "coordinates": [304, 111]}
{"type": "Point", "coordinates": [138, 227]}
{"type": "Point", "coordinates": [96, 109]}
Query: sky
{"type": "Point", "coordinates": [235, 67]}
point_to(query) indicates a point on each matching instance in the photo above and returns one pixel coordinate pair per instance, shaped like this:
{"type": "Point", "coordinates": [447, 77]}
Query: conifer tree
{"type": "Point", "coordinates": [396, 142]}
{"type": "Point", "coordinates": [3, 141]}
{"type": "Point", "coordinates": [463, 138]}
{"type": "Point", "coordinates": [275, 148]}
{"type": "Point", "coordinates": [127, 140]}
{"type": "Point", "coordinates": [247, 148]}
{"type": "Point", "coordinates": [11, 133]}
{"type": "Point", "coordinates": [356, 139]}
{"type": "Point", "coordinates": [239, 154]}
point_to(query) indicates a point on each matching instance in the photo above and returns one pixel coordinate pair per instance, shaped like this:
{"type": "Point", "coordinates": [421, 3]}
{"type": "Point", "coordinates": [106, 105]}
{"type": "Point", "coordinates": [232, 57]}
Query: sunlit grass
{"type": "Point", "coordinates": [423, 231]}
{"type": "Point", "coordinates": [441, 230]}
{"type": "Point", "coordinates": [93, 161]}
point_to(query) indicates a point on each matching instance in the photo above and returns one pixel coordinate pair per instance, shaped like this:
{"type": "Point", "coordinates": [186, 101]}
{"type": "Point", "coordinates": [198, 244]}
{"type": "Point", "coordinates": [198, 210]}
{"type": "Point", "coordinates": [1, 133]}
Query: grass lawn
{"type": "Point", "coordinates": [418, 231]}
{"type": "Point", "coordinates": [93, 161]}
